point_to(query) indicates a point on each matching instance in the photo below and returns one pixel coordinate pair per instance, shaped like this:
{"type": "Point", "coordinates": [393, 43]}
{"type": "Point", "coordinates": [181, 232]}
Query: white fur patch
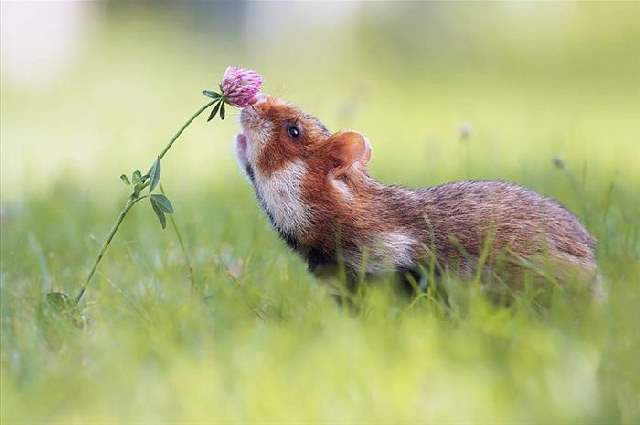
{"type": "Point", "coordinates": [342, 189]}
{"type": "Point", "coordinates": [257, 138]}
{"type": "Point", "coordinates": [281, 193]}
{"type": "Point", "coordinates": [258, 132]}
{"type": "Point", "coordinates": [400, 247]}
{"type": "Point", "coordinates": [387, 252]}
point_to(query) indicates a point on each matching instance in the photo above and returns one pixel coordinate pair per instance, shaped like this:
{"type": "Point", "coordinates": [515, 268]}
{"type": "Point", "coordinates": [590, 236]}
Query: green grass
{"type": "Point", "coordinates": [259, 339]}
{"type": "Point", "coordinates": [271, 345]}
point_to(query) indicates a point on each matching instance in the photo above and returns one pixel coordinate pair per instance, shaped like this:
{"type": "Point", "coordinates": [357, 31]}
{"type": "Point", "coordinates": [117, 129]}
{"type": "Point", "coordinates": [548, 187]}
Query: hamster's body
{"type": "Point", "coordinates": [314, 188]}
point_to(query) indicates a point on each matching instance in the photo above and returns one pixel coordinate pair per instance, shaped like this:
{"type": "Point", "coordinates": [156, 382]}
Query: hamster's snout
{"type": "Point", "coordinates": [250, 117]}
{"type": "Point", "coordinates": [245, 115]}
{"type": "Point", "coordinates": [260, 98]}
{"type": "Point", "coordinates": [256, 129]}
{"type": "Point", "coordinates": [253, 119]}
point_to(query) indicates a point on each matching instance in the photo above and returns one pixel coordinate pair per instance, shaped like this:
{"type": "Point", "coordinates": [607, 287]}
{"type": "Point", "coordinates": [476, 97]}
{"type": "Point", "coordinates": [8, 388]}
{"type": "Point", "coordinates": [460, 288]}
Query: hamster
{"type": "Point", "coordinates": [314, 188]}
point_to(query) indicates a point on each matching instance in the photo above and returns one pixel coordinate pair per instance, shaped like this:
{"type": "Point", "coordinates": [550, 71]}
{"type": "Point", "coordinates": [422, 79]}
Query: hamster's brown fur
{"type": "Point", "coordinates": [314, 188]}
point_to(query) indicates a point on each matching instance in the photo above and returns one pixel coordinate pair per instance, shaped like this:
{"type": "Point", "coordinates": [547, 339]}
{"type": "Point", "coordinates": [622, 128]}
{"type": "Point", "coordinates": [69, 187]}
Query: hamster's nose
{"type": "Point", "coordinates": [258, 99]}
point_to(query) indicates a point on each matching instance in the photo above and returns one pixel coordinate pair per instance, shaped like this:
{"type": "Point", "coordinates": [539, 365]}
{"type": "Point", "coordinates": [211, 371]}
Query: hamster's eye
{"type": "Point", "coordinates": [294, 132]}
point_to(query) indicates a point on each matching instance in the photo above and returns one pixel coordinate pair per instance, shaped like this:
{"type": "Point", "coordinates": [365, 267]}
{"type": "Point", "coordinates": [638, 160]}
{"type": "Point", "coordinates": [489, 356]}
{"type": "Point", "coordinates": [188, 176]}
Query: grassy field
{"type": "Point", "coordinates": [255, 338]}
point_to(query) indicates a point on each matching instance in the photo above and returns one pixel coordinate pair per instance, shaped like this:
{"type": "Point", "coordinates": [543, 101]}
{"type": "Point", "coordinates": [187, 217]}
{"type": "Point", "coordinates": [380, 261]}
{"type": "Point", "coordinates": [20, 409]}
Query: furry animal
{"type": "Point", "coordinates": [315, 190]}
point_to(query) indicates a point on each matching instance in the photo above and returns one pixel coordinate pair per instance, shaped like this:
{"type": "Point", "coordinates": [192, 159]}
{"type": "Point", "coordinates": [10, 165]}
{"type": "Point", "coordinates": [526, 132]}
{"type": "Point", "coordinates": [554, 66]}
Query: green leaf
{"type": "Point", "coordinates": [159, 213]}
{"type": "Point", "coordinates": [60, 302]}
{"type": "Point", "coordinates": [163, 203]}
{"type": "Point", "coordinates": [125, 179]}
{"type": "Point", "coordinates": [136, 177]}
{"type": "Point", "coordinates": [211, 94]}
{"type": "Point", "coordinates": [154, 174]}
{"type": "Point", "coordinates": [214, 111]}
{"type": "Point", "coordinates": [222, 110]}
{"type": "Point", "coordinates": [58, 315]}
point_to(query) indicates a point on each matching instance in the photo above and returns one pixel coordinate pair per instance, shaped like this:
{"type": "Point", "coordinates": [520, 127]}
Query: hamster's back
{"type": "Point", "coordinates": [463, 217]}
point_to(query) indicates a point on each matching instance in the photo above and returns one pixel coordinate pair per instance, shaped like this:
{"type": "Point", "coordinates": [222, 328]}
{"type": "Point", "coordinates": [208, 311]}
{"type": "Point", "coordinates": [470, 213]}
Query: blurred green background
{"type": "Point", "coordinates": [444, 91]}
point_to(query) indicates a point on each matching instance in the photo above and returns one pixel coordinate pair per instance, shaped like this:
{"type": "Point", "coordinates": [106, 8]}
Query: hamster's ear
{"type": "Point", "coordinates": [348, 148]}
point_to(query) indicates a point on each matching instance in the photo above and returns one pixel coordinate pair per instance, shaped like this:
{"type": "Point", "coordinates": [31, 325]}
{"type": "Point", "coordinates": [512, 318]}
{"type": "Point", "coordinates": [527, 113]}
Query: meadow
{"type": "Point", "coordinates": [251, 336]}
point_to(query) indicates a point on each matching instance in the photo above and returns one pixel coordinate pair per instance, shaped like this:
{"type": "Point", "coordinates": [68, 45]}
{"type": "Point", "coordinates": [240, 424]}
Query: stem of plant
{"type": "Point", "coordinates": [131, 201]}
{"type": "Point", "coordinates": [186, 124]}
{"type": "Point", "coordinates": [185, 253]}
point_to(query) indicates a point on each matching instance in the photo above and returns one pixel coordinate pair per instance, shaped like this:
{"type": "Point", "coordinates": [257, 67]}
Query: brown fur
{"type": "Point", "coordinates": [458, 224]}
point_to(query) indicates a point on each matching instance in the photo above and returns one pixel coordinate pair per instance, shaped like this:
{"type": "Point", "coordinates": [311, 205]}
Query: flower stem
{"type": "Point", "coordinates": [185, 253]}
{"type": "Point", "coordinates": [186, 124]}
{"type": "Point", "coordinates": [131, 201]}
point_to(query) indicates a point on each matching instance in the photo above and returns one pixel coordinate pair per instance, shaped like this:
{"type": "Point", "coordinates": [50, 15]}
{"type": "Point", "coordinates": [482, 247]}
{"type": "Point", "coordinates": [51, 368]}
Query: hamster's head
{"type": "Point", "coordinates": [284, 150]}
{"type": "Point", "coordinates": [276, 134]}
